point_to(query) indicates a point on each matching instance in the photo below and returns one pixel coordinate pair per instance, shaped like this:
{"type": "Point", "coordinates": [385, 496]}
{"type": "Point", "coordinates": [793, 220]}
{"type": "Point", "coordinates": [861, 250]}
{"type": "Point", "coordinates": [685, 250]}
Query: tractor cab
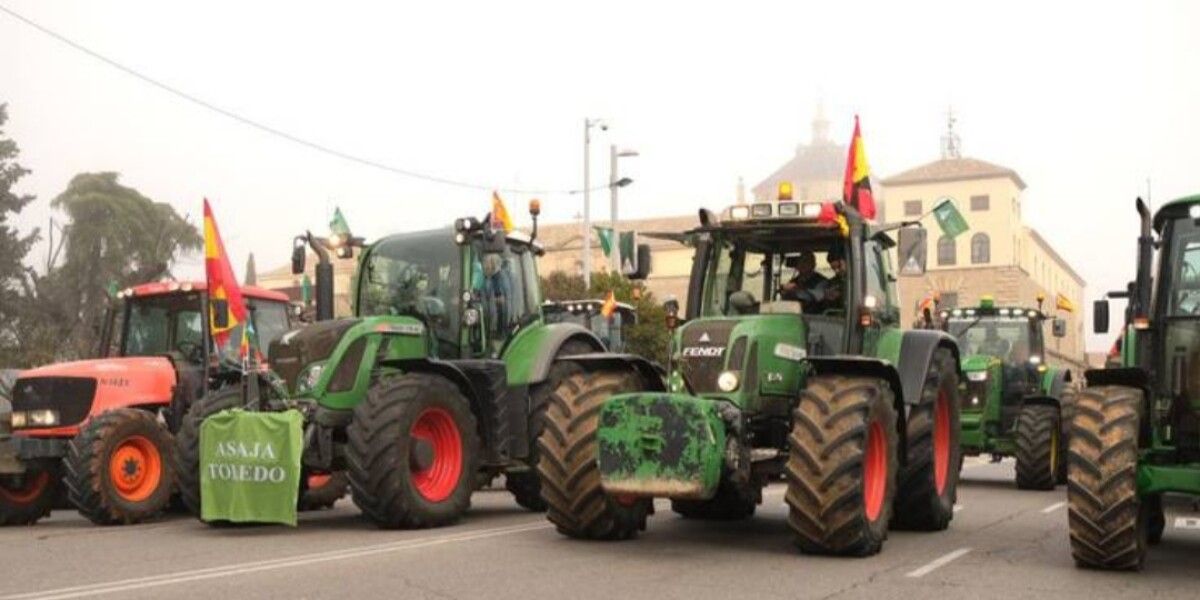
{"type": "Point", "coordinates": [613, 330]}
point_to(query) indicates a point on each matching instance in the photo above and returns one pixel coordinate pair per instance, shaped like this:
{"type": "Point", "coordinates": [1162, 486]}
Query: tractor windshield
{"type": "Point", "coordinates": [1014, 340]}
{"type": "Point", "coordinates": [757, 267]}
{"type": "Point", "coordinates": [415, 274]}
{"type": "Point", "coordinates": [171, 323]}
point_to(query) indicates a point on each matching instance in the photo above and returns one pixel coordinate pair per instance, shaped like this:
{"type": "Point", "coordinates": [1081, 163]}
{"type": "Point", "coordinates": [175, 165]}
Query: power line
{"type": "Point", "coordinates": [278, 132]}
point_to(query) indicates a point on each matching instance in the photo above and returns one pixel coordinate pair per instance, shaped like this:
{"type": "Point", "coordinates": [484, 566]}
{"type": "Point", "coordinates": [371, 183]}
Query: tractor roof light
{"type": "Point", "coordinates": [760, 210]}
{"type": "Point", "coordinates": [739, 213]}
{"type": "Point", "coordinates": [466, 224]}
{"type": "Point", "coordinates": [1194, 211]}
{"type": "Point", "coordinates": [789, 209]}
{"type": "Point", "coordinates": [811, 209]}
{"type": "Point", "coordinates": [1018, 312]}
{"type": "Point", "coordinates": [785, 191]}
{"type": "Point", "coordinates": [987, 302]}
{"type": "Point", "coordinates": [1004, 312]}
{"type": "Point", "coordinates": [1141, 323]}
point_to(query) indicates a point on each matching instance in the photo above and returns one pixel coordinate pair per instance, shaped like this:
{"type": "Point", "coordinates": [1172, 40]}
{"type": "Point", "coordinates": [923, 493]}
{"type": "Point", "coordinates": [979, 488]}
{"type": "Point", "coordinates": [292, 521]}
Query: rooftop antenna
{"type": "Point", "coordinates": [820, 125]}
{"type": "Point", "coordinates": [951, 145]}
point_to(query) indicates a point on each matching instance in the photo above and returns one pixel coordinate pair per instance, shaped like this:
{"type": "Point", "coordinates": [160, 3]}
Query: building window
{"type": "Point", "coordinates": [981, 249]}
{"type": "Point", "coordinates": [947, 253]}
{"type": "Point", "coordinates": [979, 202]}
{"type": "Point", "coordinates": [912, 208]}
{"type": "Point", "coordinates": [948, 300]}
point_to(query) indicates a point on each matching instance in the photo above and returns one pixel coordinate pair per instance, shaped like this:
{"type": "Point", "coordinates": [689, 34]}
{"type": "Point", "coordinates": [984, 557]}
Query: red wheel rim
{"type": "Point", "coordinates": [436, 427]}
{"type": "Point", "coordinates": [33, 488]}
{"type": "Point", "coordinates": [875, 471]}
{"type": "Point", "coordinates": [135, 468]}
{"type": "Point", "coordinates": [626, 500]}
{"type": "Point", "coordinates": [941, 442]}
{"type": "Point", "coordinates": [318, 480]}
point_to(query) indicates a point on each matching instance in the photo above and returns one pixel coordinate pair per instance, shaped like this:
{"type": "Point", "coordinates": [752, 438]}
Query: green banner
{"type": "Point", "coordinates": [250, 466]}
{"type": "Point", "coordinates": [338, 225]}
{"type": "Point", "coordinates": [949, 219]}
{"type": "Point", "coordinates": [628, 251]}
{"type": "Point", "coordinates": [605, 235]}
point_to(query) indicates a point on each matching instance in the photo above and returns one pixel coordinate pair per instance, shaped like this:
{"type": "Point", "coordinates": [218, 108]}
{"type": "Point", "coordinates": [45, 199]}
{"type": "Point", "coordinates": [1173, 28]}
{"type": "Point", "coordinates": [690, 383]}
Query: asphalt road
{"type": "Point", "coordinates": [1003, 543]}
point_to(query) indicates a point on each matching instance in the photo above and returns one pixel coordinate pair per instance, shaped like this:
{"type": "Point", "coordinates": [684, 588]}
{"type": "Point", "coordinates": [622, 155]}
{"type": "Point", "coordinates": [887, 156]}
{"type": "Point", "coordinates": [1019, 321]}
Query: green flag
{"type": "Point", "coordinates": [949, 219]}
{"type": "Point", "coordinates": [250, 466]}
{"type": "Point", "coordinates": [338, 225]}
{"type": "Point", "coordinates": [605, 235]}
{"type": "Point", "coordinates": [306, 290]}
{"type": "Point", "coordinates": [112, 289]}
{"type": "Point", "coordinates": [629, 251]}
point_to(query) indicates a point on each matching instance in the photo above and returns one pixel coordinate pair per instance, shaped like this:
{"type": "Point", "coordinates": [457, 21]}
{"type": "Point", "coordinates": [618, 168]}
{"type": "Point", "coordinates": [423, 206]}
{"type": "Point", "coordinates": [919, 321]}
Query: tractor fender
{"type": "Point", "coordinates": [652, 375]}
{"type": "Point", "coordinates": [1040, 400]}
{"type": "Point", "coordinates": [1056, 382]}
{"type": "Point", "coordinates": [916, 352]}
{"type": "Point", "coordinates": [1127, 376]}
{"type": "Point", "coordinates": [870, 367]}
{"type": "Point", "coordinates": [531, 355]}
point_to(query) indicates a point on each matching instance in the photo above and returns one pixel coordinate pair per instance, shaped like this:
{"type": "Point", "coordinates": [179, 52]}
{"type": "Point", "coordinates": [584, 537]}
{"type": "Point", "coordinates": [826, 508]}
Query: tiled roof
{"type": "Point", "coordinates": [953, 169]}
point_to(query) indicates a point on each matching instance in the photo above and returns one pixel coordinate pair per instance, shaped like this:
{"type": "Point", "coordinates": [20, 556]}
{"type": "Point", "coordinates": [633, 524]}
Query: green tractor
{"type": "Point", "coordinates": [766, 378]}
{"type": "Point", "coordinates": [1135, 432]}
{"type": "Point", "coordinates": [612, 330]}
{"type": "Point", "coordinates": [437, 382]}
{"type": "Point", "coordinates": [1014, 403]}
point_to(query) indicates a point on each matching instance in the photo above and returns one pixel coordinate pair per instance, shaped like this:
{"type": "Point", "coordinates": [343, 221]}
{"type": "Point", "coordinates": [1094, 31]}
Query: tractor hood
{"type": "Point", "coordinates": [978, 362]}
{"type": "Point", "coordinates": [80, 389]}
{"type": "Point", "coordinates": [765, 353]}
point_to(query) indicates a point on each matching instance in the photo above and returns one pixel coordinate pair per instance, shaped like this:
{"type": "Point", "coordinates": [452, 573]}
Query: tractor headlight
{"type": "Point", "coordinates": [728, 381]}
{"type": "Point", "coordinates": [974, 400]}
{"type": "Point", "coordinates": [309, 377]}
{"type": "Point", "coordinates": [977, 376]}
{"type": "Point", "coordinates": [29, 419]}
{"type": "Point", "coordinates": [1034, 360]}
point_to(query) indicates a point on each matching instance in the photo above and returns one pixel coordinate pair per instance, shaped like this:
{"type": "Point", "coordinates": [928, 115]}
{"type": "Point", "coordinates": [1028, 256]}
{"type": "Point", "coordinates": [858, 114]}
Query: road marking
{"type": "Point", "coordinates": [1187, 523]}
{"type": "Point", "coordinates": [126, 585]}
{"type": "Point", "coordinates": [957, 507]}
{"type": "Point", "coordinates": [938, 563]}
{"type": "Point", "coordinates": [1053, 507]}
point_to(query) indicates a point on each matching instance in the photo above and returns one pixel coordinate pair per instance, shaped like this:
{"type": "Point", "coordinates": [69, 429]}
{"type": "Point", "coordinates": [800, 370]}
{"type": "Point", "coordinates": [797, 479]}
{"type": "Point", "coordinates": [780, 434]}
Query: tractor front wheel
{"type": "Point", "coordinates": [1066, 410]}
{"type": "Point", "coordinates": [32, 495]}
{"type": "Point", "coordinates": [1109, 522]}
{"type": "Point", "coordinates": [413, 452]}
{"type": "Point", "coordinates": [322, 490]}
{"type": "Point", "coordinates": [841, 469]}
{"type": "Point", "coordinates": [121, 467]}
{"type": "Point", "coordinates": [570, 475]}
{"type": "Point", "coordinates": [1038, 441]}
{"type": "Point", "coordinates": [928, 484]}
{"type": "Point", "coordinates": [187, 441]}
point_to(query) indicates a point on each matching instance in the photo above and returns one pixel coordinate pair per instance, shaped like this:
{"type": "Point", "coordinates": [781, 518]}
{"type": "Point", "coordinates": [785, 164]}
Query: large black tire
{"type": "Point", "coordinates": [525, 486]}
{"type": "Point", "coordinates": [570, 475]}
{"type": "Point", "coordinates": [187, 441]}
{"type": "Point", "coordinates": [1038, 447]}
{"type": "Point", "coordinates": [386, 474]}
{"type": "Point", "coordinates": [325, 495]}
{"type": "Point", "coordinates": [142, 486]}
{"type": "Point", "coordinates": [1109, 523]}
{"type": "Point", "coordinates": [1066, 411]}
{"type": "Point", "coordinates": [925, 499]}
{"type": "Point", "coordinates": [732, 502]}
{"type": "Point", "coordinates": [843, 450]}
{"type": "Point", "coordinates": [27, 498]}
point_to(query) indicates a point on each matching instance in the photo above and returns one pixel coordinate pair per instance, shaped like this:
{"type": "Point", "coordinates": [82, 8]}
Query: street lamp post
{"type": "Point", "coordinates": [587, 197]}
{"type": "Point", "coordinates": [614, 183]}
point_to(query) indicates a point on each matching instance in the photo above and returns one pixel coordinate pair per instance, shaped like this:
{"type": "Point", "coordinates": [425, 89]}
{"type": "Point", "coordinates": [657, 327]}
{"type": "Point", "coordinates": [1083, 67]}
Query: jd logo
{"type": "Point", "coordinates": [700, 352]}
{"type": "Point", "coordinates": [704, 339]}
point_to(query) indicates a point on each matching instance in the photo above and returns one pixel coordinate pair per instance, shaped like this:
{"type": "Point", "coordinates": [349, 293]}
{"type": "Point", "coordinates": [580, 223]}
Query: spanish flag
{"type": "Point", "coordinates": [500, 216]}
{"type": "Point", "coordinates": [609, 308]}
{"type": "Point", "coordinates": [1061, 302]}
{"type": "Point", "coordinates": [222, 284]}
{"type": "Point", "coordinates": [856, 191]}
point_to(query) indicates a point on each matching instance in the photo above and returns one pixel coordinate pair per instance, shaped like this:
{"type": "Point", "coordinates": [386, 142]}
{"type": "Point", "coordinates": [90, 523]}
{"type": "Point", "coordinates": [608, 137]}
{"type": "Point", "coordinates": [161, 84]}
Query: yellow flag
{"type": "Point", "coordinates": [1061, 302]}
{"type": "Point", "coordinates": [500, 216]}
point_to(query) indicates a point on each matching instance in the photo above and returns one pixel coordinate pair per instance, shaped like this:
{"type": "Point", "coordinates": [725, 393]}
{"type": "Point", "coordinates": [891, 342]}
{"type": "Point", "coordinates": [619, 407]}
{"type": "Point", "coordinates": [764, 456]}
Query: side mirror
{"type": "Point", "coordinates": [1060, 328]}
{"type": "Point", "coordinates": [220, 309]}
{"type": "Point", "coordinates": [1100, 316]}
{"type": "Point", "coordinates": [298, 256]}
{"type": "Point", "coordinates": [642, 270]}
{"type": "Point", "coordinates": [912, 251]}
{"type": "Point", "coordinates": [671, 307]}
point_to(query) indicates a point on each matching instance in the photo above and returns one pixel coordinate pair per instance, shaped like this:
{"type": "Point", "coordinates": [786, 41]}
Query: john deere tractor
{"type": "Point", "coordinates": [1014, 403]}
{"type": "Point", "coordinates": [768, 373]}
{"type": "Point", "coordinates": [438, 381]}
{"type": "Point", "coordinates": [1135, 432]}
{"type": "Point", "coordinates": [97, 434]}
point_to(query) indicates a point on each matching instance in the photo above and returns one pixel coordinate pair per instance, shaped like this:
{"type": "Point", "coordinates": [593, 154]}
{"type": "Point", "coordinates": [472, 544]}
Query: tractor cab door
{"type": "Point", "coordinates": [505, 285]}
{"type": "Point", "coordinates": [880, 310]}
{"type": "Point", "coordinates": [1179, 304]}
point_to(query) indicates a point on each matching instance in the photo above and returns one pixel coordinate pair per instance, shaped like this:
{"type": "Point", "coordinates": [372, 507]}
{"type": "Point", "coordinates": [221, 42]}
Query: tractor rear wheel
{"type": "Point", "coordinates": [841, 470]}
{"type": "Point", "coordinates": [731, 503]}
{"type": "Point", "coordinates": [928, 483]}
{"type": "Point", "coordinates": [32, 495]}
{"type": "Point", "coordinates": [525, 486]}
{"type": "Point", "coordinates": [323, 490]}
{"type": "Point", "coordinates": [413, 452]}
{"type": "Point", "coordinates": [1109, 522]}
{"type": "Point", "coordinates": [121, 467]}
{"type": "Point", "coordinates": [1066, 410]}
{"type": "Point", "coordinates": [1038, 445]}
{"type": "Point", "coordinates": [187, 441]}
{"type": "Point", "coordinates": [570, 475]}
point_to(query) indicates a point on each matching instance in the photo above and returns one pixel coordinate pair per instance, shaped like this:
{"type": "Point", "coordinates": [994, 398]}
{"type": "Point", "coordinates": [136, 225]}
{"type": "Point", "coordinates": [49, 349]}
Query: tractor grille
{"type": "Point", "coordinates": [976, 397]}
{"type": "Point", "coordinates": [703, 352]}
{"type": "Point", "coordinates": [70, 396]}
{"type": "Point", "coordinates": [306, 346]}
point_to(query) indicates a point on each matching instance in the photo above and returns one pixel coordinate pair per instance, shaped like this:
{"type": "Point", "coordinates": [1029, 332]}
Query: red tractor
{"type": "Point", "coordinates": [99, 433]}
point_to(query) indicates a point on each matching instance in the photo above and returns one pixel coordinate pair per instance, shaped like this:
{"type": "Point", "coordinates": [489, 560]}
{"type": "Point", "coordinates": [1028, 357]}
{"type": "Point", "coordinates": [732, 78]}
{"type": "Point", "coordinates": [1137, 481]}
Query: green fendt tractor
{"type": "Point", "coordinates": [1135, 432]}
{"type": "Point", "coordinates": [766, 375]}
{"type": "Point", "coordinates": [438, 381]}
{"type": "Point", "coordinates": [1014, 404]}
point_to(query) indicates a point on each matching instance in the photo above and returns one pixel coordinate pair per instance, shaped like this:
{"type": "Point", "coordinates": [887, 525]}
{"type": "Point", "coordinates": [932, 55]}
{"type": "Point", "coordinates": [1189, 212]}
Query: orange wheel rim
{"type": "Point", "coordinates": [33, 488]}
{"type": "Point", "coordinates": [135, 468]}
{"type": "Point", "coordinates": [318, 480]}
{"type": "Point", "coordinates": [875, 471]}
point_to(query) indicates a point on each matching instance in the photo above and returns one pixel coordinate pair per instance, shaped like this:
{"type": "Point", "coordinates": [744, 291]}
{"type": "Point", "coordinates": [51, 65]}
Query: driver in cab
{"type": "Point", "coordinates": [807, 285]}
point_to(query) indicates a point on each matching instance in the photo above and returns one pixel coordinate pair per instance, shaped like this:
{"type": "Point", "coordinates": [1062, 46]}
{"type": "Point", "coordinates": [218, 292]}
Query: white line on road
{"type": "Point", "coordinates": [1053, 507]}
{"type": "Point", "coordinates": [126, 585]}
{"type": "Point", "coordinates": [938, 563]}
{"type": "Point", "coordinates": [957, 507]}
